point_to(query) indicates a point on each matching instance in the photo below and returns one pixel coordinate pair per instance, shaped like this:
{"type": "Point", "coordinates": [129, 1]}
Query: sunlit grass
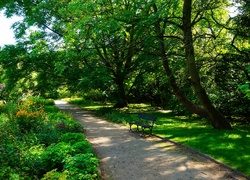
{"type": "Point", "coordinates": [228, 146]}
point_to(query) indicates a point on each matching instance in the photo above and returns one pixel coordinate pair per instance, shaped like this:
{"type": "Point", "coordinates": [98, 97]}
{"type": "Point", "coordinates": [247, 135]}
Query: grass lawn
{"type": "Point", "coordinates": [232, 147]}
{"type": "Point", "coordinates": [228, 146]}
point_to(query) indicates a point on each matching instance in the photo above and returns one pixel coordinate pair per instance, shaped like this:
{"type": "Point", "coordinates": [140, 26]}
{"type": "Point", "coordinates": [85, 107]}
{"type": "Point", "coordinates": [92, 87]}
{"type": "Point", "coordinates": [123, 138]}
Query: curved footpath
{"type": "Point", "coordinates": [127, 156]}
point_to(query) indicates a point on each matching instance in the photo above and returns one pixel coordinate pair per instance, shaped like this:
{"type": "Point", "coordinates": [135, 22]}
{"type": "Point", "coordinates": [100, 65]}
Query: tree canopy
{"type": "Point", "coordinates": [177, 54]}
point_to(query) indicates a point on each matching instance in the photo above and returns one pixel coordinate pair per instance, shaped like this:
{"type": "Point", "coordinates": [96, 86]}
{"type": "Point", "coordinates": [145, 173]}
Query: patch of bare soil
{"type": "Point", "coordinates": [127, 156]}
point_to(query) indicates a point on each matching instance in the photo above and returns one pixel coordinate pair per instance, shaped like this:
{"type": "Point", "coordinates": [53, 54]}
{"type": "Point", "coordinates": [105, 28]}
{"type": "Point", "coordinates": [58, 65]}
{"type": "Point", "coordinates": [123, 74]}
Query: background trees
{"type": "Point", "coordinates": [132, 51]}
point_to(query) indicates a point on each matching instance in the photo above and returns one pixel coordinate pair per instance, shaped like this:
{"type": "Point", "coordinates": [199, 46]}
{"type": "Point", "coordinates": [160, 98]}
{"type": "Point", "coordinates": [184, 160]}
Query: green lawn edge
{"type": "Point", "coordinates": [230, 147]}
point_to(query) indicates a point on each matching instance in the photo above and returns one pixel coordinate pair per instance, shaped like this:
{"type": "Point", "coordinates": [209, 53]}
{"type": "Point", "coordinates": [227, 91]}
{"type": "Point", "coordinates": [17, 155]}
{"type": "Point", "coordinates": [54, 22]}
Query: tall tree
{"type": "Point", "coordinates": [217, 120]}
{"type": "Point", "coordinates": [98, 27]}
{"type": "Point", "coordinates": [183, 24]}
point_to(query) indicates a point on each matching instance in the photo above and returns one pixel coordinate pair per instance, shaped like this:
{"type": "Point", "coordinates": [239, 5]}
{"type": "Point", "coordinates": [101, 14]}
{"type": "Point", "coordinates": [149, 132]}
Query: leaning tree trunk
{"type": "Point", "coordinates": [217, 120]}
{"type": "Point", "coordinates": [171, 79]}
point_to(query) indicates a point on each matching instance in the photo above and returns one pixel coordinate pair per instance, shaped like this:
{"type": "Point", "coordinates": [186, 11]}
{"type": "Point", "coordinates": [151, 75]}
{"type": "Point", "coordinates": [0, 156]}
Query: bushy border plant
{"type": "Point", "coordinates": [39, 144]}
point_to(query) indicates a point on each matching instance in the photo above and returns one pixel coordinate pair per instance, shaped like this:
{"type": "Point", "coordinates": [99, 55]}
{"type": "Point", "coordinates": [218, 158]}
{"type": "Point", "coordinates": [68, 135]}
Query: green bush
{"type": "Point", "coordinates": [95, 95]}
{"type": "Point", "coordinates": [50, 134]}
{"type": "Point", "coordinates": [33, 161]}
{"type": "Point", "coordinates": [7, 172]}
{"type": "Point", "coordinates": [54, 175]}
{"type": "Point", "coordinates": [28, 121]}
{"type": "Point", "coordinates": [81, 101]}
{"type": "Point", "coordinates": [51, 109]}
{"type": "Point", "coordinates": [42, 101]}
{"type": "Point", "coordinates": [82, 167]}
{"type": "Point", "coordinates": [11, 110]}
{"type": "Point", "coordinates": [54, 156]}
{"type": "Point", "coordinates": [105, 110]}
{"type": "Point", "coordinates": [72, 138]}
{"type": "Point", "coordinates": [64, 123]}
{"type": "Point", "coordinates": [2, 108]}
{"type": "Point", "coordinates": [81, 147]}
{"type": "Point", "coordinates": [38, 145]}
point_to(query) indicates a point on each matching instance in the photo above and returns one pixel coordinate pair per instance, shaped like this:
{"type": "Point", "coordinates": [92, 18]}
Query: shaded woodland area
{"type": "Point", "coordinates": [187, 56]}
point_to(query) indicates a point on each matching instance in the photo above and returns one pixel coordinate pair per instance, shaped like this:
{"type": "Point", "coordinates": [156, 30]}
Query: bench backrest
{"type": "Point", "coordinates": [148, 117]}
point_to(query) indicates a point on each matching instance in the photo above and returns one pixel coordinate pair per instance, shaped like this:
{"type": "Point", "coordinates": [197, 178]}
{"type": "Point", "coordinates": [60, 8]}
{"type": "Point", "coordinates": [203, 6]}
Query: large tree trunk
{"type": "Point", "coordinates": [121, 99]}
{"type": "Point", "coordinates": [217, 120]}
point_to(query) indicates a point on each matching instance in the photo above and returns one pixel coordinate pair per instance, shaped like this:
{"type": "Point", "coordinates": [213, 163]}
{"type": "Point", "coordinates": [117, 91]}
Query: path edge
{"type": "Point", "coordinates": [192, 150]}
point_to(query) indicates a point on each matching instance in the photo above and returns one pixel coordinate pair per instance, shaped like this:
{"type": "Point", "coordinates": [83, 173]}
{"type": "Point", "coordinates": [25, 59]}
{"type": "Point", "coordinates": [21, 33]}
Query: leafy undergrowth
{"type": "Point", "coordinates": [39, 142]}
{"type": "Point", "coordinates": [228, 146]}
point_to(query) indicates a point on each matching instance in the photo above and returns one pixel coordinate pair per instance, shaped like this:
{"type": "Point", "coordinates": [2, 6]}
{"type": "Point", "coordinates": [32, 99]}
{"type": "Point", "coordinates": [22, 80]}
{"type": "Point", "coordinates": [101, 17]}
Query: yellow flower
{"type": "Point", "coordinates": [21, 113]}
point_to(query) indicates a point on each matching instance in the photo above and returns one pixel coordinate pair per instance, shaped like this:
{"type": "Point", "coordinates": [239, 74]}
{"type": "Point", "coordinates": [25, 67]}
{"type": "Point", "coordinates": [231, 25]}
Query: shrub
{"type": "Point", "coordinates": [27, 121]}
{"type": "Point", "coordinates": [81, 101]}
{"type": "Point", "coordinates": [37, 145]}
{"type": "Point", "coordinates": [7, 172]}
{"type": "Point", "coordinates": [49, 135]}
{"type": "Point", "coordinates": [54, 174]}
{"type": "Point", "coordinates": [51, 109]}
{"type": "Point", "coordinates": [42, 101]}
{"type": "Point", "coordinates": [33, 163]}
{"type": "Point", "coordinates": [72, 138]}
{"type": "Point", "coordinates": [54, 156]}
{"type": "Point", "coordinates": [10, 110]}
{"type": "Point", "coordinates": [82, 167]}
{"type": "Point", "coordinates": [81, 147]}
{"type": "Point", "coordinates": [95, 95]}
{"type": "Point", "coordinates": [2, 108]}
{"type": "Point", "coordinates": [105, 110]}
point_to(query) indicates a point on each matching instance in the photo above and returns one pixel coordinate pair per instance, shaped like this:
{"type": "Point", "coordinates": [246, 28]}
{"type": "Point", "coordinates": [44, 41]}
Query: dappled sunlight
{"type": "Point", "coordinates": [120, 150]}
{"type": "Point", "coordinates": [166, 146]}
{"type": "Point", "coordinates": [164, 111]}
{"type": "Point", "coordinates": [60, 102]}
{"type": "Point", "coordinates": [234, 136]}
{"type": "Point", "coordinates": [228, 147]}
{"type": "Point", "coordinates": [100, 122]}
{"type": "Point", "coordinates": [105, 141]}
{"type": "Point", "coordinates": [181, 168]}
{"type": "Point", "coordinates": [106, 159]}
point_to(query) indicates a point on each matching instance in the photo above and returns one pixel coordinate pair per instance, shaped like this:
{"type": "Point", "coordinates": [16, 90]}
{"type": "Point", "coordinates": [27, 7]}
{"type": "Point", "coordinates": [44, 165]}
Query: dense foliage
{"type": "Point", "coordinates": [38, 142]}
{"type": "Point", "coordinates": [188, 56]}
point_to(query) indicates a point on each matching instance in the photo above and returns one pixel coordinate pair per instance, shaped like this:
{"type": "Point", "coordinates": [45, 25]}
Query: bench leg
{"type": "Point", "coordinates": [130, 130]}
{"type": "Point", "coordinates": [143, 133]}
{"type": "Point", "coordinates": [150, 131]}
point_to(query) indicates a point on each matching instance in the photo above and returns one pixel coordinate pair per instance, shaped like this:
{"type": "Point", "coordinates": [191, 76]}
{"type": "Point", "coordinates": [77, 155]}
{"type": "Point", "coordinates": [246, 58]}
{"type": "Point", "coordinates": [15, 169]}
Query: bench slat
{"type": "Point", "coordinates": [147, 117]}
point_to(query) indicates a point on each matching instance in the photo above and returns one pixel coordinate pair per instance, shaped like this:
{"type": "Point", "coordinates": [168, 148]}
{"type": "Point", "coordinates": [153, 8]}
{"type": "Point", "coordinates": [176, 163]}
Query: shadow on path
{"type": "Point", "coordinates": [126, 156]}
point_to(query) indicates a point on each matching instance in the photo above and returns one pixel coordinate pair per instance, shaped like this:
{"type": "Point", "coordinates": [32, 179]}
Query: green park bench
{"type": "Point", "coordinates": [144, 121]}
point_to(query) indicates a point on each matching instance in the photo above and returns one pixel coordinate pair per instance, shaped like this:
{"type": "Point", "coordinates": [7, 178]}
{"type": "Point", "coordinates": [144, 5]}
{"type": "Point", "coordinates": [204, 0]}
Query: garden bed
{"type": "Point", "coordinates": [39, 142]}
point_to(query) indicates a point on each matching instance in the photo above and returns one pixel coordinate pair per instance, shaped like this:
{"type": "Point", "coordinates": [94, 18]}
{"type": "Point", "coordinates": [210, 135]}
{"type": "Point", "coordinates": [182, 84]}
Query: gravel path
{"type": "Point", "coordinates": [127, 156]}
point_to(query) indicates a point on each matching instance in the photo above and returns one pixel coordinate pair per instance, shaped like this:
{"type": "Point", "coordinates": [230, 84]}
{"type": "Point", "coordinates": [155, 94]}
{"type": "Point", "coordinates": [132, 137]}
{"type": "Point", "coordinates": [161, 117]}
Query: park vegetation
{"type": "Point", "coordinates": [39, 142]}
{"type": "Point", "coordinates": [189, 57]}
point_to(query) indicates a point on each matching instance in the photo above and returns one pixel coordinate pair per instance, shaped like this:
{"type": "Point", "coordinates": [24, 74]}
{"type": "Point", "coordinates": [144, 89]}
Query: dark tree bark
{"type": "Point", "coordinates": [216, 119]}
{"type": "Point", "coordinates": [121, 99]}
{"type": "Point", "coordinates": [176, 90]}
{"type": "Point", "coordinates": [208, 111]}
